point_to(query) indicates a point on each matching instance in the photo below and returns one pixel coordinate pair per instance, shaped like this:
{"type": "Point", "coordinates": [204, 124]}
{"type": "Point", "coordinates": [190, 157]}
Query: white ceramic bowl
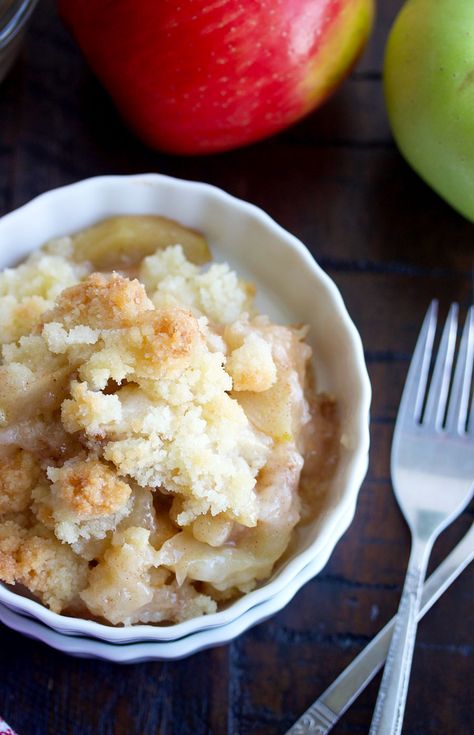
{"type": "Point", "coordinates": [291, 287]}
{"type": "Point", "coordinates": [132, 653]}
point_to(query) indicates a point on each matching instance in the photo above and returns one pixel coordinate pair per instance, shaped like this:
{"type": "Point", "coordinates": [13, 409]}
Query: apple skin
{"type": "Point", "coordinates": [429, 92]}
{"type": "Point", "coordinates": [201, 76]}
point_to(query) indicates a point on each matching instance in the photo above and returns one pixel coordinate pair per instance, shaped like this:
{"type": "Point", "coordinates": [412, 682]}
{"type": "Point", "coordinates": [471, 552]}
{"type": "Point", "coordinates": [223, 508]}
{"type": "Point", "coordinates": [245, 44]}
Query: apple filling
{"type": "Point", "coordinates": [153, 427]}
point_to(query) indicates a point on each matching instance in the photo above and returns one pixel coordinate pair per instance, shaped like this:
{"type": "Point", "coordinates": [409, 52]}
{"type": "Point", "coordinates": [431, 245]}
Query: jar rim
{"type": "Point", "coordinates": [14, 19]}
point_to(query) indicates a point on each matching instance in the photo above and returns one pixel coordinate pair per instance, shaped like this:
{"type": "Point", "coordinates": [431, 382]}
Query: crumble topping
{"type": "Point", "coordinates": [151, 427]}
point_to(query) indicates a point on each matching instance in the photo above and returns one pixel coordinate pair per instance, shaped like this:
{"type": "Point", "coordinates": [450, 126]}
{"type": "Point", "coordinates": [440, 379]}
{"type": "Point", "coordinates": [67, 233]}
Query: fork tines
{"type": "Point", "coordinates": [442, 403]}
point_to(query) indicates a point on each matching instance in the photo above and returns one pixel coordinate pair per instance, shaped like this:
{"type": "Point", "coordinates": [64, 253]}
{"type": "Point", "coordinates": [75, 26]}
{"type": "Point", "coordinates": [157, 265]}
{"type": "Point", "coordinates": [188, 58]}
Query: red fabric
{"type": "Point", "coordinates": [5, 729]}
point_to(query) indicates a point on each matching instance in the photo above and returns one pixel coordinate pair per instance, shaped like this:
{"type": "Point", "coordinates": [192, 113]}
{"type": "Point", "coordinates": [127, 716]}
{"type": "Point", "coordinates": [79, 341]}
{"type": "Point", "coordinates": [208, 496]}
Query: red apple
{"type": "Point", "coordinates": [198, 76]}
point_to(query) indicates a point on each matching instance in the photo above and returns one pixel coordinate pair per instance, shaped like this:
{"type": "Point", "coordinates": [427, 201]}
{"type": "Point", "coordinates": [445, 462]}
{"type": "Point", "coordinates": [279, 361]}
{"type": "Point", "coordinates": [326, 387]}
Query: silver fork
{"type": "Point", "coordinates": [326, 711]}
{"type": "Point", "coordinates": [432, 468]}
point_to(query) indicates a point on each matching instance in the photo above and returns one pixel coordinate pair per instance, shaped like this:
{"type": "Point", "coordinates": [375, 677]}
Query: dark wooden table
{"type": "Point", "coordinates": [391, 245]}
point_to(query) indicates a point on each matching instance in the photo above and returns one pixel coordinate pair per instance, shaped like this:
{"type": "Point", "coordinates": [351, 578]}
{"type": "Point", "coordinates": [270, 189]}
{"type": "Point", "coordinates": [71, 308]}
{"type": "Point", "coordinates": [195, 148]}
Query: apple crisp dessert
{"type": "Point", "coordinates": [153, 427]}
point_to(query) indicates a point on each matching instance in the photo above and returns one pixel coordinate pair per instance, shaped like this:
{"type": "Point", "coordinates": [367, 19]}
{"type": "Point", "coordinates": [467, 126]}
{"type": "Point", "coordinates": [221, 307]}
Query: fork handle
{"type": "Point", "coordinates": [390, 705]}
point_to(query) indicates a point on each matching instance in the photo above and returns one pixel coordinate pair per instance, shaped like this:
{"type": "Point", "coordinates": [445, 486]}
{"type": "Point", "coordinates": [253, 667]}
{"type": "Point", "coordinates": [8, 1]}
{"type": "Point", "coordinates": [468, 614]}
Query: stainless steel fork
{"type": "Point", "coordinates": [432, 467]}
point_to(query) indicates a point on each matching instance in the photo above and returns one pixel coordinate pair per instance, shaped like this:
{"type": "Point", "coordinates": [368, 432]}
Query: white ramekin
{"type": "Point", "coordinates": [146, 650]}
{"type": "Point", "coordinates": [292, 288]}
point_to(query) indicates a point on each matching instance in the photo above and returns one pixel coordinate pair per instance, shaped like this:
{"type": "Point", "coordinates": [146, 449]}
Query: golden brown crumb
{"type": "Point", "coordinates": [39, 561]}
{"type": "Point", "coordinates": [88, 488]}
{"type": "Point", "coordinates": [51, 571]}
{"type": "Point", "coordinates": [42, 504]}
{"type": "Point", "coordinates": [19, 473]}
{"type": "Point", "coordinates": [11, 536]}
{"type": "Point", "coordinates": [102, 302]}
{"type": "Point", "coordinates": [166, 334]}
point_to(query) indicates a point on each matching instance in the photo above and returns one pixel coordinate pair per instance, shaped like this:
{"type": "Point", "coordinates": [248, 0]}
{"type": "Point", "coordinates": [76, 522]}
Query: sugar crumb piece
{"type": "Point", "coordinates": [211, 458]}
{"type": "Point", "coordinates": [87, 499]}
{"type": "Point", "coordinates": [88, 488]}
{"type": "Point", "coordinates": [251, 365]}
{"type": "Point", "coordinates": [19, 472]}
{"type": "Point", "coordinates": [36, 559]}
{"type": "Point", "coordinates": [59, 339]}
{"type": "Point", "coordinates": [216, 292]}
{"type": "Point", "coordinates": [168, 263]}
{"type": "Point", "coordinates": [41, 274]}
{"type": "Point", "coordinates": [11, 536]}
{"type": "Point", "coordinates": [89, 411]}
{"type": "Point", "coordinates": [101, 302]}
{"type": "Point", "coordinates": [221, 296]}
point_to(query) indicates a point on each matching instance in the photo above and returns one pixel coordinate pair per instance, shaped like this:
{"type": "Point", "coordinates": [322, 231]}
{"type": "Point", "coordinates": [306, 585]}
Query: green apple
{"type": "Point", "coordinates": [429, 91]}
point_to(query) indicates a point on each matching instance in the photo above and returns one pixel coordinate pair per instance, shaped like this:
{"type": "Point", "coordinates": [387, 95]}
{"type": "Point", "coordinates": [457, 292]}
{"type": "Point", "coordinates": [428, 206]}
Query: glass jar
{"type": "Point", "coordinates": [14, 15]}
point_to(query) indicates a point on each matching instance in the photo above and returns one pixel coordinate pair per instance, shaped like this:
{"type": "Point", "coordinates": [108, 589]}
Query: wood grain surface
{"type": "Point", "coordinates": [336, 181]}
